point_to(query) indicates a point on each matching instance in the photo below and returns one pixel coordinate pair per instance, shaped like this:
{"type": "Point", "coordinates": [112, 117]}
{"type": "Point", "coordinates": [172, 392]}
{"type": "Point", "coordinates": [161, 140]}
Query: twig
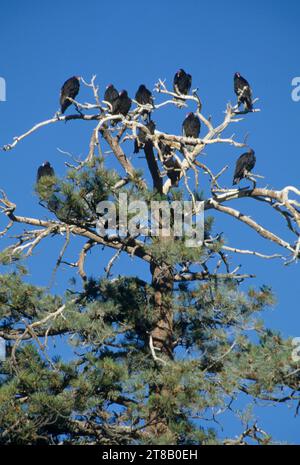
{"type": "Point", "coordinates": [153, 349]}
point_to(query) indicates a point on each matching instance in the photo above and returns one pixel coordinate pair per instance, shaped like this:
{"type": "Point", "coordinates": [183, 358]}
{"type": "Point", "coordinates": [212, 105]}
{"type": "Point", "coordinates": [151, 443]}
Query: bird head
{"type": "Point", "coordinates": [238, 75]}
{"type": "Point", "coordinates": [46, 163]}
{"type": "Point", "coordinates": [180, 72]}
{"type": "Point", "coordinates": [123, 93]}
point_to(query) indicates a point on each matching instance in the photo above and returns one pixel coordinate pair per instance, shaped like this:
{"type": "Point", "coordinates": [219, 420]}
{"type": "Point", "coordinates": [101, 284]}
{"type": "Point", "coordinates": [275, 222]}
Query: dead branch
{"type": "Point", "coordinates": [206, 276]}
{"type": "Point", "coordinates": [88, 245]}
{"type": "Point", "coordinates": [108, 268]}
{"type": "Point", "coordinates": [29, 328]}
{"type": "Point", "coordinates": [251, 252]}
{"type": "Point", "coordinates": [253, 432]}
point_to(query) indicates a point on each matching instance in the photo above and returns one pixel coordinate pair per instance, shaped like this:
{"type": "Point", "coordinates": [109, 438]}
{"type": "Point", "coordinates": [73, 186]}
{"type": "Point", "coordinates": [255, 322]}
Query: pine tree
{"type": "Point", "coordinates": [152, 359]}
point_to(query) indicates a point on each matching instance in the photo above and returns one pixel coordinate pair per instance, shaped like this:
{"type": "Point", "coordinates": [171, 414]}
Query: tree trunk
{"type": "Point", "coordinates": [162, 333]}
{"type": "Point", "coordinates": [162, 282]}
{"type": "Point", "coordinates": [162, 337]}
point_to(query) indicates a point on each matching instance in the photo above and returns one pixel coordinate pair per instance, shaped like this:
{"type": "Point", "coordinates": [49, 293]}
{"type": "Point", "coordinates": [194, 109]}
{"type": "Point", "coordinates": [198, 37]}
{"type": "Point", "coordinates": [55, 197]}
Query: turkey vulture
{"type": "Point", "coordinates": [69, 89]}
{"type": "Point", "coordinates": [123, 103]}
{"type": "Point", "coordinates": [111, 96]}
{"type": "Point", "coordinates": [191, 126]}
{"type": "Point", "coordinates": [173, 170]}
{"type": "Point", "coordinates": [182, 82]}
{"type": "Point", "coordinates": [243, 91]}
{"type": "Point", "coordinates": [170, 163]}
{"type": "Point", "coordinates": [144, 97]}
{"type": "Point", "coordinates": [141, 136]}
{"type": "Point", "coordinates": [44, 170]}
{"type": "Point", "coordinates": [165, 149]}
{"type": "Point", "coordinates": [244, 165]}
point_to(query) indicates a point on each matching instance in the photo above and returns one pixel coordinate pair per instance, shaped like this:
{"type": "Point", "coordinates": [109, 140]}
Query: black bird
{"type": "Point", "coordinates": [182, 82]}
{"type": "Point", "coordinates": [170, 163]}
{"type": "Point", "coordinates": [173, 170]}
{"type": "Point", "coordinates": [244, 166]}
{"type": "Point", "coordinates": [69, 89]}
{"type": "Point", "coordinates": [144, 97]}
{"type": "Point", "coordinates": [111, 96]}
{"type": "Point", "coordinates": [165, 149]}
{"type": "Point", "coordinates": [44, 170]}
{"type": "Point", "coordinates": [141, 136]}
{"type": "Point", "coordinates": [191, 126]}
{"type": "Point", "coordinates": [123, 103]}
{"type": "Point", "coordinates": [243, 91]}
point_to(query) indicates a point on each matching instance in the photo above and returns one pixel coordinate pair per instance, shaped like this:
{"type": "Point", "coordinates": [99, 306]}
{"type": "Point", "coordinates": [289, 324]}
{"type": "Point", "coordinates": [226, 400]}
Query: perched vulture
{"type": "Point", "coordinates": [111, 96]}
{"type": "Point", "coordinates": [191, 126]}
{"type": "Point", "coordinates": [170, 163]}
{"type": "Point", "coordinates": [165, 149]}
{"type": "Point", "coordinates": [69, 89]}
{"type": "Point", "coordinates": [244, 165]}
{"type": "Point", "coordinates": [123, 103]}
{"type": "Point", "coordinates": [44, 170]}
{"type": "Point", "coordinates": [141, 136]}
{"type": "Point", "coordinates": [173, 170]}
{"type": "Point", "coordinates": [182, 82]}
{"type": "Point", "coordinates": [144, 97]}
{"type": "Point", "coordinates": [243, 91]}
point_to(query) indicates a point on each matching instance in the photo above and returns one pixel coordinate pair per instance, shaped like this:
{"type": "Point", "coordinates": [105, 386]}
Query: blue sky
{"type": "Point", "coordinates": [128, 43]}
